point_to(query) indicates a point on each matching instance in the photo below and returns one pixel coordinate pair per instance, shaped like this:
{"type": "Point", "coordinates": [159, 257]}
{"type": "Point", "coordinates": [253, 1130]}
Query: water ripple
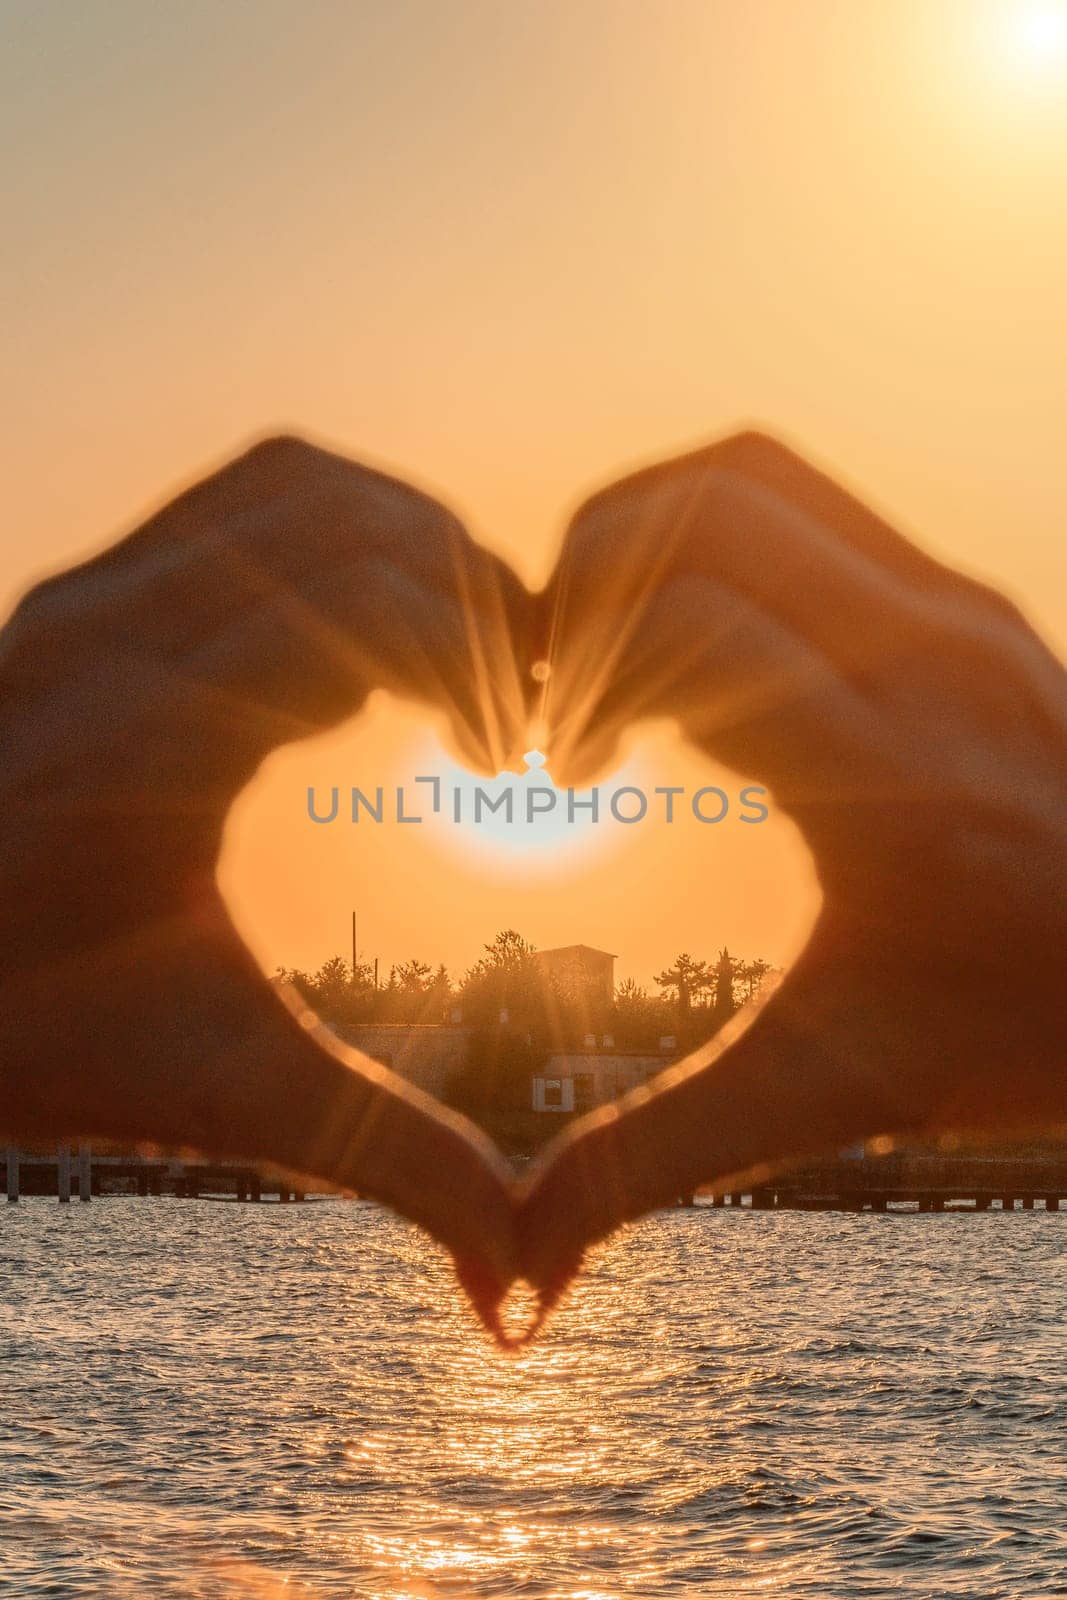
{"type": "Point", "coordinates": [212, 1401]}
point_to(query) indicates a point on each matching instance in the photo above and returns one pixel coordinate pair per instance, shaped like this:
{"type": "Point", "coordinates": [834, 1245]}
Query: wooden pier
{"type": "Point", "coordinates": [94, 1174]}
{"type": "Point", "coordinates": [917, 1181]}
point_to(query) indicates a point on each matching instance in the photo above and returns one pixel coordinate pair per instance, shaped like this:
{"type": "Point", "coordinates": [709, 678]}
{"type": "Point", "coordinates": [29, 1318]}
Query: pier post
{"type": "Point", "coordinates": [63, 1174]}
{"type": "Point", "coordinates": [1052, 1203]}
{"type": "Point", "coordinates": [85, 1173]}
{"type": "Point", "coordinates": [12, 1174]}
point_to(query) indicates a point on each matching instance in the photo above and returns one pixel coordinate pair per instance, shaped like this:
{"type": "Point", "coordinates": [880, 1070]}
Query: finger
{"type": "Point", "coordinates": [765, 525]}
{"type": "Point", "coordinates": [180, 1041]}
{"type": "Point", "coordinates": [702, 515]}
{"type": "Point", "coordinates": [171, 744]}
{"type": "Point", "coordinates": [281, 513]}
{"type": "Point", "coordinates": [741, 685]}
{"type": "Point", "coordinates": [875, 780]}
{"type": "Point", "coordinates": [268, 537]}
{"type": "Point", "coordinates": [626, 1159]}
{"type": "Point", "coordinates": [341, 1117]}
{"type": "Point", "coordinates": [797, 1078]}
{"type": "Point", "coordinates": [846, 765]}
{"type": "Point", "coordinates": [884, 620]}
{"type": "Point", "coordinates": [760, 459]}
{"type": "Point", "coordinates": [854, 1044]}
{"type": "Point", "coordinates": [290, 623]}
{"type": "Point", "coordinates": [969, 606]}
{"type": "Point", "coordinates": [767, 520]}
{"type": "Point", "coordinates": [297, 663]}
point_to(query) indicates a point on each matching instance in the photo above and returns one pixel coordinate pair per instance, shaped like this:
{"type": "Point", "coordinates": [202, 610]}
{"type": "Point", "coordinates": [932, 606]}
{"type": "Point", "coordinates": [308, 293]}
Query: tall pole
{"type": "Point", "coordinates": [353, 947]}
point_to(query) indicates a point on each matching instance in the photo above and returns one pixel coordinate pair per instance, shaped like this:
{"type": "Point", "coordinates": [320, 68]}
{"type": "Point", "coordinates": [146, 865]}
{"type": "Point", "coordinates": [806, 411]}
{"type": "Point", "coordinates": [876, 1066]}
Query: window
{"type": "Point", "coordinates": [584, 1090]}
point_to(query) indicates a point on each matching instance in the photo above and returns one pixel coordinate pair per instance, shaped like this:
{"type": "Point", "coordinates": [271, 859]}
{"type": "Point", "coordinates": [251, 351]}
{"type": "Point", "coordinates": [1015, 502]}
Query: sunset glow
{"type": "Point", "coordinates": [534, 778]}
{"type": "Point", "coordinates": [504, 335]}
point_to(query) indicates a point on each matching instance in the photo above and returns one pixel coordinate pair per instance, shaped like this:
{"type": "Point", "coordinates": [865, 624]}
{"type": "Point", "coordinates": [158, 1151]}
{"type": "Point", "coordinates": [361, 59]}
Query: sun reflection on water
{"type": "Point", "coordinates": [250, 1402]}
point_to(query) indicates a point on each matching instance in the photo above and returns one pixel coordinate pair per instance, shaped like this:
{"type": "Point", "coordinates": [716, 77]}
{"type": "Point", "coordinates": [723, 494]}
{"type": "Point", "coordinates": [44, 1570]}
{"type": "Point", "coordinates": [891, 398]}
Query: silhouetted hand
{"type": "Point", "coordinates": [906, 717]}
{"type": "Point", "coordinates": [140, 692]}
{"type": "Point", "coordinates": [915, 728]}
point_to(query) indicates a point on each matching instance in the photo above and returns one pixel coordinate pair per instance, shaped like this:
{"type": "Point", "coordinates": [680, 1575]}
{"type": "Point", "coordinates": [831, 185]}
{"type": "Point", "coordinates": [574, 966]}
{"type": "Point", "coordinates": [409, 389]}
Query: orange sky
{"type": "Point", "coordinates": [509, 251]}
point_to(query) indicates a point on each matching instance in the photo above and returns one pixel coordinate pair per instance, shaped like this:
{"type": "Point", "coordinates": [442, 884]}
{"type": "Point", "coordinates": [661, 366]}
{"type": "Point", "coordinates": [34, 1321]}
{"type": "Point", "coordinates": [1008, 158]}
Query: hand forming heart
{"type": "Point", "coordinates": [907, 718]}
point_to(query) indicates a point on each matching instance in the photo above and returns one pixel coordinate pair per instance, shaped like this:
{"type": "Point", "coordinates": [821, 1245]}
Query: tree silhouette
{"type": "Point", "coordinates": [751, 975]}
{"type": "Point", "coordinates": [725, 1003]}
{"type": "Point", "coordinates": [505, 979]}
{"type": "Point", "coordinates": [541, 1016]}
{"type": "Point", "coordinates": [509, 952]}
{"type": "Point", "coordinates": [639, 1020]}
{"type": "Point", "coordinates": [688, 979]}
{"type": "Point", "coordinates": [338, 994]}
{"type": "Point", "coordinates": [413, 977]}
{"type": "Point", "coordinates": [439, 988]}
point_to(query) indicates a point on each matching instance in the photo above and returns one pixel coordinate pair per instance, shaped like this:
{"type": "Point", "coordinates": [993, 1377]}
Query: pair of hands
{"type": "Point", "coordinates": [906, 717]}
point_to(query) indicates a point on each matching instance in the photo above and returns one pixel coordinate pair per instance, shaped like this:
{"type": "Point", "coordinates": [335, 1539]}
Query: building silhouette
{"type": "Point", "coordinates": [579, 972]}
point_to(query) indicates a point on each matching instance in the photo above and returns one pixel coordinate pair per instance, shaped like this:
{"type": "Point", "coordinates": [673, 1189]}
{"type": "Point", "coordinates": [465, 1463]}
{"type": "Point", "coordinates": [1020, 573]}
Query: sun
{"type": "Point", "coordinates": [1019, 48]}
{"type": "Point", "coordinates": [1036, 34]}
{"type": "Point", "coordinates": [548, 837]}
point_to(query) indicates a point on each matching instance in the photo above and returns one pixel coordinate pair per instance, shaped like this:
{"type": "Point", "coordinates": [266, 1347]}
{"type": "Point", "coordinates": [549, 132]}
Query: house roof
{"type": "Point", "coordinates": [573, 949]}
